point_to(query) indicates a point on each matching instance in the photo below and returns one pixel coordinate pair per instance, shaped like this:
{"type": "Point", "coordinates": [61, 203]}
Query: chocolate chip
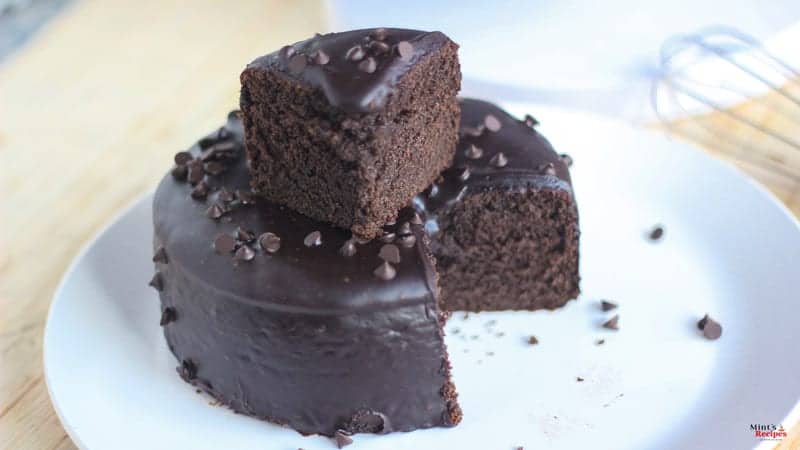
{"type": "Point", "coordinates": [606, 305]}
{"type": "Point", "coordinates": [566, 159]}
{"type": "Point", "coordinates": [548, 169]}
{"type": "Point", "coordinates": [214, 168]}
{"type": "Point", "coordinates": [378, 48]}
{"type": "Point", "coordinates": [226, 196]}
{"type": "Point", "coordinates": [656, 233]}
{"type": "Point", "coordinates": [464, 175]}
{"type": "Point", "coordinates": [187, 370]}
{"type": "Point", "coordinates": [530, 121]}
{"type": "Point", "coordinates": [245, 235]}
{"type": "Point", "coordinates": [297, 63]}
{"type": "Point", "coordinates": [388, 237]}
{"type": "Point", "coordinates": [215, 211]}
{"type": "Point", "coordinates": [180, 172]}
{"type": "Point", "coordinates": [355, 53]}
{"type": "Point", "coordinates": [156, 282]}
{"type": "Point", "coordinates": [405, 50]}
{"type": "Point", "coordinates": [183, 158]}
{"type": "Point", "coordinates": [288, 51]}
{"type": "Point", "coordinates": [390, 253]}
{"type": "Point", "coordinates": [408, 240]}
{"type": "Point", "coordinates": [200, 191]}
{"type": "Point", "coordinates": [368, 65]}
{"type": "Point", "coordinates": [269, 242]}
{"type": "Point", "coordinates": [492, 123]}
{"type": "Point", "coordinates": [320, 57]}
{"type": "Point", "coordinates": [378, 34]}
{"type": "Point", "coordinates": [416, 219]}
{"type": "Point", "coordinates": [533, 340]}
{"type": "Point", "coordinates": [600, 342]}
{"type": "Point", "coordinates": [246, 197]}
{"type": "Point", "coordinates": [404, 229]}
{"type": "Point", "coordinates": [244, 253]}
{"type": "Point", "coordinates": [313, 239]}
{"type": "Point", "coordinates": [385, 271]}
{"type": "Point", "coordinates": [342, 439]}
{"type": "Point", "coordinates": [579, 379]}
{"type": "Point", "coordinates": [712, 330]}
{"type": "Point", "coordinates": [348, 248]}
{"type": "Point", "coordinates": [612, 323]}
{"type": "Point", "coordinates": [167, 316]}
{"type": "Point", "coordinates": [473, 152]}
{"type": "Point", "coordinates": [224, 243]}
{"type": "Point", "coordinates": [160, 255]}
{"type": "Point", "coordinates": [196, 172]}
{"type": "Point", "coordinates": [499, 160]}
{"type": "Point", "coordinates": [702, 322]}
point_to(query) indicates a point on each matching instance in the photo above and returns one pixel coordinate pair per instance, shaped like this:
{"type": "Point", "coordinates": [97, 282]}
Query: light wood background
{"type": "Point", "coordinates": [91, 111]}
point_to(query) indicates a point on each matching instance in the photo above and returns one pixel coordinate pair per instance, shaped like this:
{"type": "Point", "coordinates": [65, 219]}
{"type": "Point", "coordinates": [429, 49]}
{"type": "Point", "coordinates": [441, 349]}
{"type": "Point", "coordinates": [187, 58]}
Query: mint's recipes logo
{"type": "Point", "coordinates": [768, 431]}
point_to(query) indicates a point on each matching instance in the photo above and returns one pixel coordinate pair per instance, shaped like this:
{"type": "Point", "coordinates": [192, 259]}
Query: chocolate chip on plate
{"type": "Point", "coordinates": [612, 323]}
{"type": "Point", "coordinates": [606, 305]}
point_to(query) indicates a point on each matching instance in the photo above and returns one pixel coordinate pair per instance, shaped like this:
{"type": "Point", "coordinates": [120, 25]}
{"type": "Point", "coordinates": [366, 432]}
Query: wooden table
{"type": "Point", "coordinates": [91, 110]}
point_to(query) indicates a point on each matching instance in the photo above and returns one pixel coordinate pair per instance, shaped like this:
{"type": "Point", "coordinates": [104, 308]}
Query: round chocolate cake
{"type": "Point", "coordinates": [292, 320]}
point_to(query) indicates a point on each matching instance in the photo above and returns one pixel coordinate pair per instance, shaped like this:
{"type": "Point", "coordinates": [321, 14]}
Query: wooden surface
{"type": "Point", "coordinates": [91, 110]}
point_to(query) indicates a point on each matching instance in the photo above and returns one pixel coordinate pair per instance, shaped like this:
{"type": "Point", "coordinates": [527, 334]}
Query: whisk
{"type": "Point", "coordinates": [723, 89]}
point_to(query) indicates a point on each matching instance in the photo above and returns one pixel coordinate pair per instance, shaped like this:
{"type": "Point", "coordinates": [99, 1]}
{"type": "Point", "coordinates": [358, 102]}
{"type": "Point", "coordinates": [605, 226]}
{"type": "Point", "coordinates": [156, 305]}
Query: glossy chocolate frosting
{"type": "Point", "coordinates": [343, 72]}
{"type": "Point", "coordinates": [306, 335]}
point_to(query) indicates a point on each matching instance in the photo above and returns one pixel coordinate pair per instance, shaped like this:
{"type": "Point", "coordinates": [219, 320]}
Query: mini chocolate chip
{"type": "Point", "coordinates": [378, 34]}
{"type": "Point", "coordinates": [712, 329]}
{"type": "Point", "coordinates": [288, 51]}
{"type": "Point", "coordinates": [530, 121]}
{"type": "Point", "coordinates": [297, 63]}
{"type": "Point", "coordinates": [214, 168]}
{"type": "Point", "coordinates": [390, 253]}
{"type": "Point", "coordinates": [269, 242]}
{"type": "Point", "coordinates": [416, 219]}
{"type": "Point", "coordinates": [245, 235]}
{"type": "Point", "coordinates": [215, 211]}
{"type": "Point", "coordinates": [368, 65]}
{"type": "Point", "coordinates": [404, 229]}
{"type": "Point", "coordinates": [378, 47]}
{"type": "Point", "coordinates": [244, 253]}
{"type": "Point", "coordinates": [196, 172]}
{"type": "Point", "coordinates": [385, 271]}
{"type": "Point", "coordinates": [320, 57]}
{"type": "Point", "coordinates": [405, 50]}
{"type": "Point", "coordinates": [180, 172]}
{"type": "Point", "coordinates": [355, 53]}
{"type": "Point", "coordinates": [600, 342]}
{"type": "Point", "coordinates": [702, 322]}
{"type": "Point", "coordinates": [224, 243]}
{"type": "Point", "coordinates": [348, 248]}
{"type": "Point", "coordinates": [533, 340]}
{"type": "Point", "coordinates": [342, 439]}
{"type": "Point", "coordinates": [473, 152]}
{"type": "Point", "coordinates": [387, 237]}
{"type": "Point", "coordinates": [464, 175]}
{"type": "Point", "coordinates": [226, 196]}
{"type": "Point", "coordinates": [246, 197]}
{"type": "Point", "coordinates": [492, 123]}
{"type": "Point", "coordinates": [200, 191]}
{"type": "Point", "coordinates": [499, 160]}
{"type": "Point", "coordinates": [606, 305]}
{"type": "Point", "coordinates": [156, 282]}
{"type": "Point", "coordinates": [656, 233]}
{"type": "Point", "coordinates": [612, 323]}
{"type": "Point", "coordinates": [313, 239]}
{"type": "Point", "coordinates": [548, 169]}
{"type": "Point", "coordinates": [408, 240]}
{"type": "Point", "coordinates": [182, 158]}
{"type": "Point", "coordinates": [160, 255]}
{"type": "Point", "coordinates": [167, 316]}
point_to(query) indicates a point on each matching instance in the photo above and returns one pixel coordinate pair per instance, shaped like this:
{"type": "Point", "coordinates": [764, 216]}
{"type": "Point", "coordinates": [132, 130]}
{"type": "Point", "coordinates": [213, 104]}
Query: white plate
{"type": "Point", "coordinates": [730, 249]}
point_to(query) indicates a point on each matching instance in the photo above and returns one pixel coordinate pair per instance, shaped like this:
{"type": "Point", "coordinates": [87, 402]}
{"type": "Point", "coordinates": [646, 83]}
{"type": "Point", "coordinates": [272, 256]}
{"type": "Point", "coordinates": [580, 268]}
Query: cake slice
{"type": "Point", "coordinates": [503, 218]}
{"type": "Point", "coordinates": [347, 127]}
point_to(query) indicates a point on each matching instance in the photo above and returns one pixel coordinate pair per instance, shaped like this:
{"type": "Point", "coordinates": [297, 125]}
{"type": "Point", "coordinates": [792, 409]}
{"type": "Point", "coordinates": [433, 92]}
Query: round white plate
{"type": "Point", "coordinates": [730, 249]}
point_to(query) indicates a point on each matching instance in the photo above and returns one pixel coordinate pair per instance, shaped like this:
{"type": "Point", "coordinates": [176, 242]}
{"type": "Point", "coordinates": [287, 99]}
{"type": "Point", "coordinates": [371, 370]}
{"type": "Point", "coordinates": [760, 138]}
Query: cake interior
{"type": "Point", "coordinates": [354, 170]}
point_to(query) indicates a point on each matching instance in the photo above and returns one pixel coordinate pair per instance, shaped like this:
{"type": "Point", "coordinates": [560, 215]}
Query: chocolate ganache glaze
{"type": "Point", "coordinates": [292, 320]}
{"type": "Point", "coordinates": [357, 70]}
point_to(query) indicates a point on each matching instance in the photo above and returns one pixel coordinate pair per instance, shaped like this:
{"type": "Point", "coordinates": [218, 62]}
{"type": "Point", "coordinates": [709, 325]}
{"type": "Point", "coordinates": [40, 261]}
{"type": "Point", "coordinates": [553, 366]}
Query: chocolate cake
{"type": "Point", "coordinates": [503, 217]}
{"type": "Point", "coordinates": [348, 127]}
{"type": "Point", "coordinates": [292, 320]}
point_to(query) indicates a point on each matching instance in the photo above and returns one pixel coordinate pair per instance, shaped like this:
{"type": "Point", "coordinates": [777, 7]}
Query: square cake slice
{"type": "Point", "coordinates": [503, 218]}
{"type": "Point", "coordinates": [348, 127]}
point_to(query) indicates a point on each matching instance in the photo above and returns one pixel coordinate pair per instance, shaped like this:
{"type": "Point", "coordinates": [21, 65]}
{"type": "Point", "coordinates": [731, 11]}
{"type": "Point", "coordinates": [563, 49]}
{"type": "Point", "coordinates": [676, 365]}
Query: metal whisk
{"type": "Point", "coordinates": [723, 89]}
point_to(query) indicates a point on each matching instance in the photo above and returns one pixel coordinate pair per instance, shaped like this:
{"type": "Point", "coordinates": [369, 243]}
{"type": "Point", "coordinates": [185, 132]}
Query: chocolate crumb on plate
{"type": "Point", "coordinates": [579, 379]}
{"type": "Point", "coordinates": [656, 233]}
{"type": "Point", "coordinates": [711, 329]}
{"type": "Point", "coordinates": [167, 316]}
{"type": "Point", "coordinates": [612, 323]}
{"type": "Point", "coordinates": [606, 305]}
{"type": "Point", "coordinates": [532, 340]}
{"type": "Point", "coordinates": [600, 342]}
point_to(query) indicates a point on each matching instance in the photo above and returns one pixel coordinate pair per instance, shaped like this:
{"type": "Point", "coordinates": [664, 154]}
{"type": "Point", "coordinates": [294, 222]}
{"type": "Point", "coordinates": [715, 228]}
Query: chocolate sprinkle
{"type": "Point", "coordinates": [180, 173]}
{"type": "Point", "coordinates": [492, 123]}
{"type": "Point", "coordinates": [499, 160]}
{"type": "Point", "coordinates": [244, 253]}
{"type": "Point", "coordinates": [612, 323]}
{"type": "Point", "coordinates": [269, 242]}
{"type": "Point", "coordinates": [156, 282]}
{"type": "Point", "coordinates": [183, 158]}
{"type": "Point", "coordinates": [566, 159]}
{"type": "Point", "coordinates": [408, 240]}
{"type": "Point", "coordinates": [313, 239]}
{"type": "Point", "coordinates": [348, 248]}
{"type": "Point", "coordinates": [390, 253]}
{"type": "Point", "coordinates": [160, 256]}
{"type": "Point", "coordinates": [385, 271]}
{"type": "Point", "coordinates": [474, 152]}
{"type": "Point", "coordinates": [355, 54]}
{"type": "Point", "coordinates": [224, 243]}
{"type": "Point", "coordinates": [215, 211]}
{"type": "Point", "coordinates": [531, 121]}
{"type": "Point", "coordinates": [297, 63]}
{"type": "Point", "coordinates": [342, 439]}
{"type": "Point", "coordinates": [606, 305]}
{"type": "Point", "coordinates": [368, 65]}
{"type": "Point", "coordinates": [656, 233]}
{"type": "Point", "coordinates": [405, 50]}
{"type": "Point", "coordinates": [167, 316]}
